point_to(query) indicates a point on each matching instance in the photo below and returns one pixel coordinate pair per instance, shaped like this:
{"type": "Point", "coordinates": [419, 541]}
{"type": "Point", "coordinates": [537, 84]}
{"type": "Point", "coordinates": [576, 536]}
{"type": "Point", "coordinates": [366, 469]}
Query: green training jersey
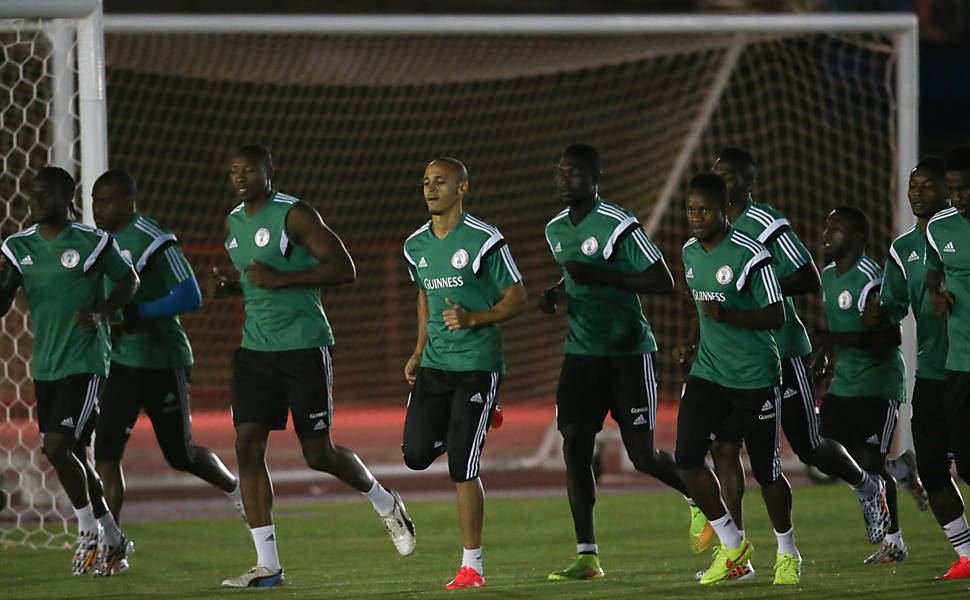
{"type": "Point", "coordinates": [158, 343]}
{"type": "Point", "coordinates": [280, 319]}
{"type": "Point", "coordinates": [948, 234]}
{"type": "Point", "coordinates": [769, 226]}
{"type": "Point", "coordinates": [470, 266]}
{"type": "Point", "coordinates": [738, 274]}
{"type": "Point", "coordinates": [858, 371]}
{"type": "Point", "coordinates": [60, 277]}
{"type": "Point", "coordinates": [903, 287]}
{"type": "Point", "coordinates": [604, 320]}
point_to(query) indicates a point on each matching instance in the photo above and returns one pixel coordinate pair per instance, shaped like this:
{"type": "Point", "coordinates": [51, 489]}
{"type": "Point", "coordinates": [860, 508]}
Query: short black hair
{"type": "Point", "coordinates": [958, 159]}
{"type": "Point", "coordinates": [456, 164]}
{"type": "Point", "coordinates": [257, 152]}
{"type": "Point", "coordinates": [740, 157]}
{"type": "Point", "coordinates": [120, 179]}
{"type": "Point", "coordinates": [855, 218]}
{"type": "Point", "coordinates": [709, 182]}
{"type": "Point", "coordinates": [586, 154]}
{"type": "Point", "coordinates": [60, 181]}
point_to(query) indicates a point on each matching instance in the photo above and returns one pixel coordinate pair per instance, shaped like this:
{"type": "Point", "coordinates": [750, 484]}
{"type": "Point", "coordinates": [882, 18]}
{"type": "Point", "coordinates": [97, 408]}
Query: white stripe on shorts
{"type": "Point", "coordinates": [808, 400]}
{"type": "Point", "coordinates": [90, 404]}
{"type": "Point", "coordinates": [478, 442]}
{"type": "Point", "coordinates": [650, 381]}
{"type": "Point", "coordinates": [889, 427]}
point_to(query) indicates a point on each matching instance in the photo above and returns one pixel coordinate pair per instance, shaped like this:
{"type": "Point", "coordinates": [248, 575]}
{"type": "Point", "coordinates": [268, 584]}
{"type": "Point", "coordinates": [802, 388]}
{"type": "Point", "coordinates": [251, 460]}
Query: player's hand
{"type": "Point", "coordinates": [684, 353]}
{"type": "Point", "coordinates": [262, 275]}
{"type": "Point", "coordinates": [872, 313]}
{"type": "Point", "coordinates": [457, 317]}
{"type": "Point", "coordinates": [822, 366]}
{"type": "Point", "coordinates": [548, 300]}
{"type": "Point", "coordinates": [89, 319]}
{"type": "Point", "coordinates": [582, 273]}
{"type": "Point", "coordinates": [943, 303]}
{"type": "Point", "coordinates": [217, 285]}
{"type": "Point", "coordinates": [411, 368]}
{"type": "Point", "coordinates": [713, 310]}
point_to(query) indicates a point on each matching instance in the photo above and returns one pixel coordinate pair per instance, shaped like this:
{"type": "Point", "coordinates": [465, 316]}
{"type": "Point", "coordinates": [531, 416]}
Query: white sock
{"type": "Point", "coordinates": [727, 531]}
{"type": "Point", "coordinates": [265, 540]}
{"type": "Point", "coordinates": [786, 542]}
{"type": "Point", "coordinates": [867, 487]}
{"type": "Point", "coordinates": [587, 549]}
{"type": "Point", "coordinates": [473, 559]}
{"type": "Point", "coordinates": [86, 523]}
{"type": "Point", "coordinates": [959, 535]}
{"type": "Point", "coordinates": [896, 539]}
{"type": "Point", "coordinates": [382, 499]}
{"type": "Point", "coordinates": [741, 531]}
{"type": "Point", "coordinates": [110, 529]}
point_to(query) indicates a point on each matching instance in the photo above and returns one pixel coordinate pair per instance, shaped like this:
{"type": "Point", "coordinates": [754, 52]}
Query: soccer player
{"type": "Point", "coordinates": [947, 261]}
{"type": "Point", "coordinates": [862, 402]}
{"type": "Point", "coordinates": [796, 275]}
{"type": "Point", "coordinates": [285, 253]}
{"type": "Point", "coordinates": [61, 265]}
{"type": "Point", "coordinates": [150, 354]}
{"type": "Point", "coordinates": [467, 284]}
{"type": "Point", "coordinates": [607, 259]}
{"type": "Point", "coordinates": [737, 370]}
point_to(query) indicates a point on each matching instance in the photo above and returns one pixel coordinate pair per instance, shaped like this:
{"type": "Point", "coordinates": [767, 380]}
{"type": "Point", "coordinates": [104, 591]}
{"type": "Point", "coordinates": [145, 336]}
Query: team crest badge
{"type": "Point", "coordinates": [126, 254]}
{"type": "Point", "coordinates": [459, 259]}
{"type": "Point", "coordinates": [262, 237]}
{"type": "Point", "coordinates": [589, 246]}
{"type": "Point", "coordinates": [724, 275]}
{"type": "Point", "coordinates": [70, 258]}
{"type": "Point", "coordinates": [845, 300]}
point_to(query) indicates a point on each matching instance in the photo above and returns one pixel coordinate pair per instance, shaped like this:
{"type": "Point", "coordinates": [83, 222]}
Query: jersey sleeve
{"type": "Point", "coordinates": [637, 249]}
{"type": "Point", "coordinates": [111, 263]}
{"type": "Point", "coordinates": [763, 284]}
{"type": "Point", "coordinates": [412, 267]}
{"type": "Point", "coordinates": [14, 276]}
{"type": "Point", "coordinates": [894, 293]}
{"type": "Point", "coordinates": [501, 267]}
{"type": "Point", "coordinates": [173, 267]}
{"type": "Point", "coordinates": [789, 253]}
{"type": "Point", "coordinates": [933, 260]}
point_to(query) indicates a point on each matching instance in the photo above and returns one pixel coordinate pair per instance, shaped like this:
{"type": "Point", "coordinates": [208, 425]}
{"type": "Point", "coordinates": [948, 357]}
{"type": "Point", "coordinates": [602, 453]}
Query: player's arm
{"type": "Point", "coordinates": [891, 304]}
{"type": "Point", "coordinates": [513, 303]}
{"type": "Point", "coordinates": [686, 351]}
{"type": "Point", "coordinates": [941, 298]}
{"type": "Point", "coordinates": [218, 285]}
{"type": "Point", "coordinates": [411, 368]}
{"type": "Point", "coordinates": [803, 281]}
{"type": "Point", "coordinates": [655, 279]}
{"type": "Point", "coordinates": [552, 296]}
{"type": "Point", "coordinates": [305, 227]}
{"type": "Point", "coordinates": [11, 279]}
{"type": "Point", "coordinates": [126, 281]}
{"type": "Point", "coordinates": [762, 284]}
{"type": "Point", "coordinates": [874, 340]}
{"type": "Point", "coordinates": [789, 251]}
{"type": "Point", "coordinates": [183, 294]}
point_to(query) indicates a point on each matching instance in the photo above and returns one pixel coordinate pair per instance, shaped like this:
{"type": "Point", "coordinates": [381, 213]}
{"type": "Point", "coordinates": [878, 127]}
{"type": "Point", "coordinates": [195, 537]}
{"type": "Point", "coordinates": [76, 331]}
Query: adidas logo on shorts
{"type": "Point", "coordinates": [68, 422]}
{"type": "Point", "coordinates": [321, 424]}
{"type": "Point", "coordinates": [640, 420]}
{"type": "Point", "coordinates": [767, 406]}
{"type": "Point", "coordinates": [872, 439]}
{"type": "Point", "coordinates": [788, 393]}
{"type": "Point", "coordinates": [477, 398]}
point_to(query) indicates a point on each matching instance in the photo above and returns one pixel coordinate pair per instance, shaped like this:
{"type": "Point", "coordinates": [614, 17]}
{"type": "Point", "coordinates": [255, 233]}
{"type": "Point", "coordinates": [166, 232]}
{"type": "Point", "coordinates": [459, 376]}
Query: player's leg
{"type": "Point", "coordinates": [762, 412]}
{"type": "Point", "coordinates": [258, 406]}
{"type": "Point", "coordinates": [472, 403]}
{"type": "Point", "coordinates": [957, 400]}
{"type": "Point", "coordinates": [580, 410]}
{"type": "Point", "coordinates": [120, 404]}
{"type": "Point", "coordinates": [634, 386]}
{"type": "Point", "coordinates": [726, 455]}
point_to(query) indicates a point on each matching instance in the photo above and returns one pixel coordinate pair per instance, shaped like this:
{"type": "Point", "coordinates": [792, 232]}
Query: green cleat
{"type": "Point", "coordinates": [701, 532]}
{"type": "Point", "coordinates": [587, 566]}
{"type": "Point", "coordinates": [726, 559]}
{"type": "Point", "coordinates": [788, 568]}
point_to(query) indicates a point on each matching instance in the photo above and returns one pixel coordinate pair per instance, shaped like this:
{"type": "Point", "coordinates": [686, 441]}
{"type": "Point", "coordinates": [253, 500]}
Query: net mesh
{"type": "Point", "coordinates": [352, 120]}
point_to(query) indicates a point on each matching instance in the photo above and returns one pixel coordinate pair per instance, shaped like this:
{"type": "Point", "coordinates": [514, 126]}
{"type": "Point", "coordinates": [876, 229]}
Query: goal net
{"type": "Point", "coordinates": [353, 108]}
{"type": "Point", "coordinates": [51, 114]}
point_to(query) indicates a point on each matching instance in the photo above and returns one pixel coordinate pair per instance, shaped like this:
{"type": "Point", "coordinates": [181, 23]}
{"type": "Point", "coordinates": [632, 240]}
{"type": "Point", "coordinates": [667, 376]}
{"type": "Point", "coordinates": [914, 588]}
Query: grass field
{"type": "Point", "coordinates": [340, 550]}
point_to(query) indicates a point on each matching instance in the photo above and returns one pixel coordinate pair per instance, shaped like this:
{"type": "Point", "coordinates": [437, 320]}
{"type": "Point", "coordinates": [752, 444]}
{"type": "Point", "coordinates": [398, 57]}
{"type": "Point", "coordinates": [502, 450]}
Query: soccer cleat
{"type": "Point", "coordinates": [400, 527]}
{"type": "Point", "coordinates": [875, 512]}
{"type": "Point", "coordinates": [788, 569]}
{"type": "Point", "coordinates": [887, 553]}
{"type": "Point", "coordinates": [741, 572]}
{"type": "Point", "coordinates": [467, 577]}
{"type": "Point", "coordinates": [958, 569]}
{"type": "Point", "coordinates": [258, 576]}
{"type": "Point", "coordinates": [86, 553]}
{"type": "Point", "coordinates": [725, 560]}
{"type": "Point", "coordinates": [903, 470]}
{"type": "Point", "coordinates": [587, 566]}
{"type": "Point", "coordinates": [701, 532]}
{"type": "Point", "coordinates": [110, 557]}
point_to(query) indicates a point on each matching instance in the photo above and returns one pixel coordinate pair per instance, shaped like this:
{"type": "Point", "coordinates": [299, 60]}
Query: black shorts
{"type": "Point", "coordinates": [799, 417]}
{"type": "Point", "coordinates": [859, 420]}
{"type": "Point", "coordinates": [69, 405]}
{"type": "Point", "coordinates": [268, 385]}
{"type": "Point", "coordinates": [449, 411]}
{"type": "Point", "coordinates": [706, 405]}
{"type": "Point", "coordinates": [957, 402]}
{"type": "Point", "coordinates": [928, 423]}
{"type": "Point", "coordinates": [162, 393]}
{"type": "Point", "coordinates": [590, 387]}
